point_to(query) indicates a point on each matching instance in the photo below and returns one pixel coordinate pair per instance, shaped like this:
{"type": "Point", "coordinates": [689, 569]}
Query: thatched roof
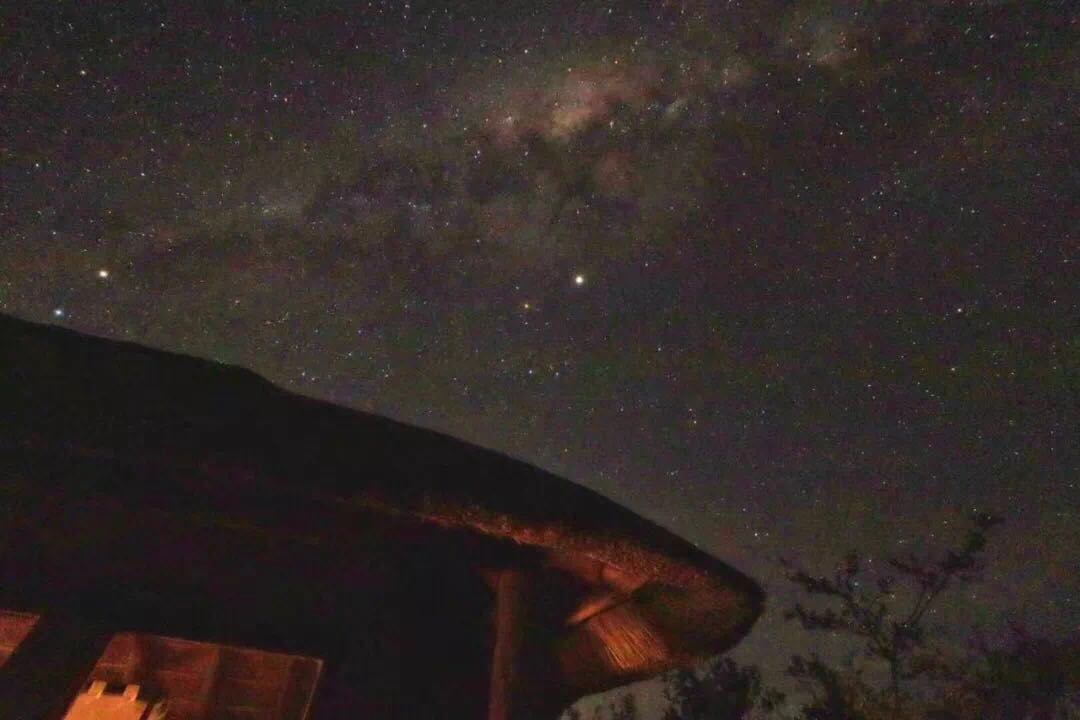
{"type": "Point", "coordinates": [249, 451]}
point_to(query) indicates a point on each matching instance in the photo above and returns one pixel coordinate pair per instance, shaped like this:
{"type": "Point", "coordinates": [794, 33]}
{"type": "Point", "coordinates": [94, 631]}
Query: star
{"type": "Point", "coordinates": [579, 280]}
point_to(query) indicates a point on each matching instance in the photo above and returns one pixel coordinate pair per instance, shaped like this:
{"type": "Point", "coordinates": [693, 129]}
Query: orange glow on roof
{"type": "Point", "coordinates": [14, 627]}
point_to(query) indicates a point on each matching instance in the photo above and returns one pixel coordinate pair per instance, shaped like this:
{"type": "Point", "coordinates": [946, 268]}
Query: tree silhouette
{"type": "Point", "coordinates": [1029, 678]}
{"type": "Point", "coordinates": [625, 708]}
{"type": "Point", "coordinates": [725, 690]}
{"type": "Point", "coordinates": [906, 675]}
{"type": "Point", "coordinates": [895, 636]}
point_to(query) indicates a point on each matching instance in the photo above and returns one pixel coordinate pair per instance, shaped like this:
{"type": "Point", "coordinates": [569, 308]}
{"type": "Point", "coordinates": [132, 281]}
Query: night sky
{"type": "Point", "coordinates": [785, 277]}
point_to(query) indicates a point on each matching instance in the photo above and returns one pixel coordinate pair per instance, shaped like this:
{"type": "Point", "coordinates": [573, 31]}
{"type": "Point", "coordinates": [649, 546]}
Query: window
{"type": "Point", "coordinates": [138, 676]}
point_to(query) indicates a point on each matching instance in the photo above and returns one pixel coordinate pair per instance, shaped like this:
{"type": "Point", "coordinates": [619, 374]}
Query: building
{"type": "Point", "coordinates": [244, 552]}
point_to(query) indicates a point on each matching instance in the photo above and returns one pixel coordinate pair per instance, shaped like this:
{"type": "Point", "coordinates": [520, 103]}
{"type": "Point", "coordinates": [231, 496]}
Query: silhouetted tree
{"type": "Point", "coordinates": [908, 676]}
{"type": "Point", "coordinates": [894, 635]}
{"type": "Point", "coordinates": [1028, 678]}
{"type": "Point", "coordinates": [724, 690]}
{"type": "Point", "coordinates": [625, 708]}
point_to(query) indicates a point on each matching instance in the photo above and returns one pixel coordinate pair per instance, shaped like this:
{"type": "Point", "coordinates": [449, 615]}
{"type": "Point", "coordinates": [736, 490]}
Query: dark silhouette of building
{"type": "Point", "coordinates": [148, 500]}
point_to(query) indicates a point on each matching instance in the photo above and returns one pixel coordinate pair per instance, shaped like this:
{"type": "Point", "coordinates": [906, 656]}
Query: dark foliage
{"type": "Point", "coordinates": [906, 673]}
{"type": "Point", "coordinates": [722, 691]}
{"type": "Point", "coordinates": [887, 614]}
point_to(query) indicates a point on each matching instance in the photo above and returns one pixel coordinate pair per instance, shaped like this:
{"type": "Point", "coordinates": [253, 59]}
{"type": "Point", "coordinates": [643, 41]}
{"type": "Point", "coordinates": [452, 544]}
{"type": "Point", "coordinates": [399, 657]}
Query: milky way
{"type": "Point", "coordinates": [784, 277]}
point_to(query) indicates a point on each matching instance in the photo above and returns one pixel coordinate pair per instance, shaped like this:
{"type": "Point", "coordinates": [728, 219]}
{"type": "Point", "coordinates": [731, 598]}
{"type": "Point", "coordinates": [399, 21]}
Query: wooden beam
{"type": "Point", "coordinates": [507, 673]}
{"type": "Point", "coordinates": [278, 710]}
{"type": "Point", "coordinates": [302, 681]}
{"type": "Point", "coordinates": [524, 682]}
{"type": "Point", "coordinates": [134, 672]}
{"type": "Point", "coordinates": [49, 667]}
{"type": "Point", "coordinates": [207, 697]}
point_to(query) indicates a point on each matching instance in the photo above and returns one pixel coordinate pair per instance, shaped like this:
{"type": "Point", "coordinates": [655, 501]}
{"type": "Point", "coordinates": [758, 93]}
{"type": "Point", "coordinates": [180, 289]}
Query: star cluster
{"type": "Point", "coordinates": [786, 277]}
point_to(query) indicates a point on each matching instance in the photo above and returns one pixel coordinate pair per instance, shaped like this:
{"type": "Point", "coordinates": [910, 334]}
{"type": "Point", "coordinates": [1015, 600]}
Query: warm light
{"type": "Point", "coordinates": [97, 704]}
{"type": "Point", "coordinates": [626, 640]}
